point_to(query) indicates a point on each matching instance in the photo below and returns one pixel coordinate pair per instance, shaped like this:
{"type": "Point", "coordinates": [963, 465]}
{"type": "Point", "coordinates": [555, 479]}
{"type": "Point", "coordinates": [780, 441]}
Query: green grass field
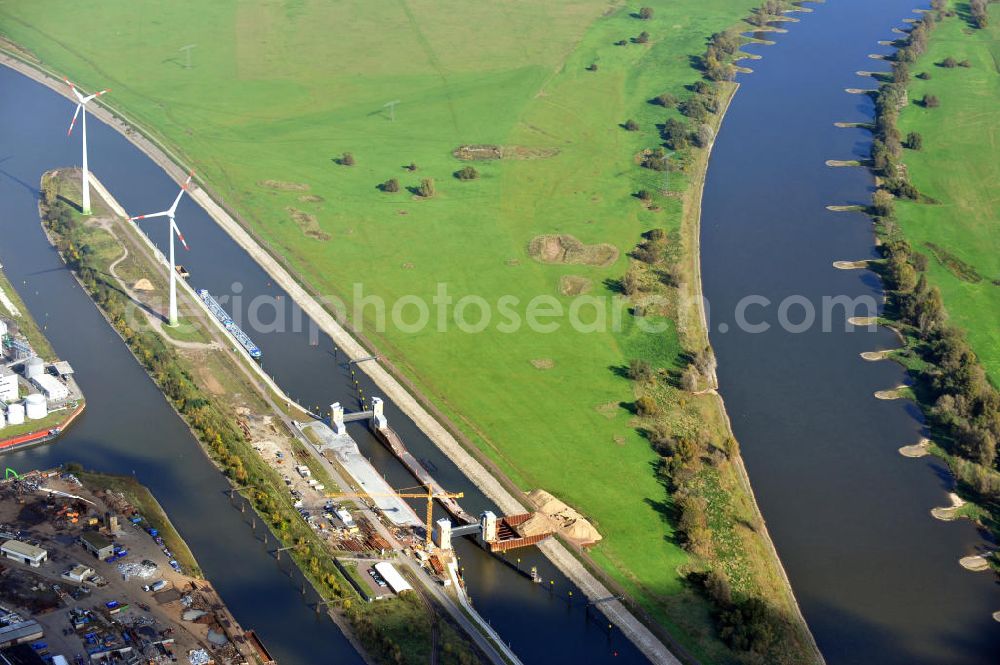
{"type": "Point", "coordinates": [277, 90]}
{"type": "Point", "coordinates": [959, 168]}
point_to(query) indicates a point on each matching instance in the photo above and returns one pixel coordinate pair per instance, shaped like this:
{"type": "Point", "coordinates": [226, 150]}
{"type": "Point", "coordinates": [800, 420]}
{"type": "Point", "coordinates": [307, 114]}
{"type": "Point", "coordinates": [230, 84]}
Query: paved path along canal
{"type": "Point", "coordinates": [877, 577]}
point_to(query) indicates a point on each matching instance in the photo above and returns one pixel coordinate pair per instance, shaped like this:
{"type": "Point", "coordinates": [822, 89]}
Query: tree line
{"type": "Point", "coordinates": [747, 623]}
{"type": "Point", "coordinates": [962, 406]}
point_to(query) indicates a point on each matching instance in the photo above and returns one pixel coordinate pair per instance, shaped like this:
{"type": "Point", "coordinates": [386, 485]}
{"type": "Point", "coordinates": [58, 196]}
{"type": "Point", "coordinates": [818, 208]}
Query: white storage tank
{"type": "Point", "coordinates": [35, 406]}
{"type": "Point", "coordinates": [15, 414]}
{"type": "Point", "coordinates": [34, 368]}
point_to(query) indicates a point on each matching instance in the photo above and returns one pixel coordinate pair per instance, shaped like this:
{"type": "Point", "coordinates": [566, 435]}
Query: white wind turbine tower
{"type": "Point", "coordinates": [82, 106]}
{"type": "Point", "coordinates": [169, 213]}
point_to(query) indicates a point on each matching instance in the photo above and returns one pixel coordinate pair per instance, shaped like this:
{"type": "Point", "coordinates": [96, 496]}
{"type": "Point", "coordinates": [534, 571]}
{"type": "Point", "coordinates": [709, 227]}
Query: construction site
{"type": "Point", "coordinates": [86, 578]}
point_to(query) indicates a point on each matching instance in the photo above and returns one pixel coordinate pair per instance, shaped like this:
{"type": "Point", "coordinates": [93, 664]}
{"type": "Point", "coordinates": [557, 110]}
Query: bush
{"type": "Point", "coordinates": [949, 63]}
{"type": "Point", "coordinates": [646, 406]}
{"type": "Point", "coordinates": [656, 160]}
{"type": "Point", "coordinates": [646, 13]}
{"type": "Point", "coordinates": [592, 67]}
{"type": "Point", "coordinates": [466, 173]}
{"type": "Point", "coordinates": [347, 159]}
{"type": "Point", "coordinates": [914, 141]}
{"type": "Point", "coordinates": [426, 188]}
{"type": "Point", "coordinates": [391, 185]}
{"type": "Point", "coordinates": [639, 370]}
{"type": "Point", "coordinates": [644, 195]}
{"type": "Point", "coordinates": [703, 137]}
{"type": "Point", "coordinates": [411, 167]}
{"type": "Point", "coordinates": [643, 38]}
{"type": "Point", "coordinates": [930, 102]}
{"type": "Point", "coordinates": [631, 125]}
{"type": "Point", "coordinates": [882, 203]}
{"type": "Point", "coordinates": [965, 63]}
{"type": "Point", "coordinates": [666, 100]}
{"type": "Point", "coordinates": [924, 76]}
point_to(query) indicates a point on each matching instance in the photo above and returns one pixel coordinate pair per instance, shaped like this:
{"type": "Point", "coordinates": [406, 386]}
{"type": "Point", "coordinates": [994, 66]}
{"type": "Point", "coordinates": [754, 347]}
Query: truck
{"type": "Point", "coordinates": [159, 585]}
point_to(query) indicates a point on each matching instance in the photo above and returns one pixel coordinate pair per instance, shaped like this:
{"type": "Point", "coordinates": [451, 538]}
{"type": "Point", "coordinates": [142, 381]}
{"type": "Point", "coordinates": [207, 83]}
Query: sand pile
{"type": "Point", "coordinates": [538, 523]}
{"type": "Point", "coordinates": [143, 285]}
{"type": "Point", "coordinates": [571, 524]}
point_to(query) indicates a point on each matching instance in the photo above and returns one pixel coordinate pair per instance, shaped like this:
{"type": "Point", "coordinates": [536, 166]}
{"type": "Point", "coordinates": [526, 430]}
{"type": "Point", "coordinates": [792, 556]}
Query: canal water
{"type": "Point", "coordinates": [877, 577]}
{"type": "Point", "coordinates": [129, 428]}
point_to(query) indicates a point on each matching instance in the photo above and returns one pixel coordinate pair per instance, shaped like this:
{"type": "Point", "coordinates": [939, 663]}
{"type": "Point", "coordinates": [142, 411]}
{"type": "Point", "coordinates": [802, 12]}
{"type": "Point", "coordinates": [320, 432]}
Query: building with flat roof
{"type": "Point", "coordinates": [24, 553]}
{"type": "Point", "coordinates": [8, 385]}
{"type": "Point", "coordinates": [79, 573]}
{"type": "Point", "coordinates": [21, 632]}
{"type": "Point", "coordinates": [392, 577]}
{"type": "Point", "coordinates": [62, 368]}
{"type": "Point", "coordinates": [97, 544]}
{"type": "Point", "coordinates": [53, 389]}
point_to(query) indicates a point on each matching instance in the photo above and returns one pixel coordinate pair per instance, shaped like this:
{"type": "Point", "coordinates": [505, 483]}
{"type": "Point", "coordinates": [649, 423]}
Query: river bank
{"type": "Point", "coordinates": [743, 562]}
{"type": "Point", "coordinates": [817, 444]}
{"type": "Point", "coordinates": [950, 382]}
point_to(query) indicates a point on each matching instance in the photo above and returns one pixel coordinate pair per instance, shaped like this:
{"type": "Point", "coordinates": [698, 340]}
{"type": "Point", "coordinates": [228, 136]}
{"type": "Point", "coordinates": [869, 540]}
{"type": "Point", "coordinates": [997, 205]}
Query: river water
{"type": "Point", "coordinates": [877, 577]}
{"type": "Point", "coordinates": [129, 428]}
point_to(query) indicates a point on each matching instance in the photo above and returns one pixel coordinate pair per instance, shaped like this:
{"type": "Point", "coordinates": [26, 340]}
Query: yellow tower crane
{"type": "Point", "coordinates": [428, 494]}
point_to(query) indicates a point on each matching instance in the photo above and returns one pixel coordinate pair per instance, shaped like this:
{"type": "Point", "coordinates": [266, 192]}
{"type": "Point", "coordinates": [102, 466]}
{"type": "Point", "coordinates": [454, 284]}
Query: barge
{"type": "Point", "coordinates": [216, 309]}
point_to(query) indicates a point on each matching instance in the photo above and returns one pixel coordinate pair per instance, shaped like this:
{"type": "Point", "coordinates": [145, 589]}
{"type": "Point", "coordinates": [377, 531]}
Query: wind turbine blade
{"type": "Point", "coordinates": [96, 94]}
{"type": "Point", "coordinates": [165, 213]}
{"type": "Point", "coordinates": [173, 208]}
{"type": "Point", "coordinates": [72, 87]}
{"type": "Point", "coordinates": [173, 225]}
{"type": "Point", "coordinates": [73, 122]}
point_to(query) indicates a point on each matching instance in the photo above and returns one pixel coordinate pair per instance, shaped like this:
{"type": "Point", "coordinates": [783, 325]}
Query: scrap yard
{"type": "Point", "coordinates": [86, 578]}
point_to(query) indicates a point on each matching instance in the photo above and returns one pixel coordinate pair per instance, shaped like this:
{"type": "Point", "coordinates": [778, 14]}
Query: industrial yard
{"type": "Point", "coordinates": [87, 579]}
{"type": "Point", "coordinates": [38, 398]}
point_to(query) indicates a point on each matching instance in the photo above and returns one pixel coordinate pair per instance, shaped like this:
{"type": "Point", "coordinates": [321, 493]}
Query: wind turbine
{"type": "Point", "coordinates": [169, 213]}
{"type": "Point", "coordinates": [82, 106]}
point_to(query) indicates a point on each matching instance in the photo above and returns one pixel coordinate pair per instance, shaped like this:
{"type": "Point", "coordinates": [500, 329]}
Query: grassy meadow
{"type": "Point", "coordinates": [278, 91]}
{"type": "Point", "coordinates": [958, 167]}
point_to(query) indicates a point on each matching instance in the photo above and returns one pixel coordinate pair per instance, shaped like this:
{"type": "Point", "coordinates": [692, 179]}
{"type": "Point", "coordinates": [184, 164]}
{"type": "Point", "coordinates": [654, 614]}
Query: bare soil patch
{"type": "Point", "coordinates": [311, 198]}
{"type": "Point", "coordinates": [574, 285]}
{"type": "Point", "coordinates": [307, 224]}
{"type": "Point", "coordinates": [542, 363]}
{"type": "Point", "coordinates": [609, 409]}
{"type": "Point", "coordinates": [567, 249]}
{"type": "Point", "coordinates": [283, 186]}
{"type": "Point", "coordinates": [485, 152]}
